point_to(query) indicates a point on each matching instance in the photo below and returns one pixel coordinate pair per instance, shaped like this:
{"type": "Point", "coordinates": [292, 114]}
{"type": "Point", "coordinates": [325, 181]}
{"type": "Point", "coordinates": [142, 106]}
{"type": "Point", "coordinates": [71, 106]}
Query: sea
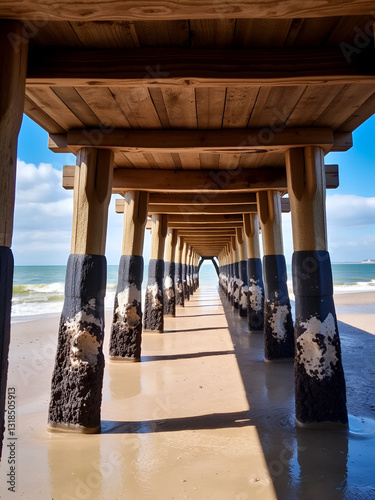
{"type": "Point", "coordinates": [39, 290]}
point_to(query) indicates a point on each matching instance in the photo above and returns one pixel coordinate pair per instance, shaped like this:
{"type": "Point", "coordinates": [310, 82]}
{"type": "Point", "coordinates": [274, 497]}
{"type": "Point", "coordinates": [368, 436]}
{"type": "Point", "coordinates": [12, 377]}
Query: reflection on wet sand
{"type": "Point", "coordinates": [202, 416]}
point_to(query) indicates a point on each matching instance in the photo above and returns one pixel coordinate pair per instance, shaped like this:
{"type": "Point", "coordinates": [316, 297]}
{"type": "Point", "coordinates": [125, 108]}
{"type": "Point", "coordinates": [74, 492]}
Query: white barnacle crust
{"type": "Point", "coordinates": [255, 296]}
{"type": "Point", "coordinates": [244, 302]}
{"type": "Point", "coordinates": [318, 356]}
{"type": "Point", "coordinates": [126, 311]}
{"type": "Point", "coordinates": [168, 282]}
{"type": "Point", "coordinates": [153, 293]}
{"type": "Point", "coordinates": [84, 346]}
{"type": "Point", "coordinates": [277, 322]}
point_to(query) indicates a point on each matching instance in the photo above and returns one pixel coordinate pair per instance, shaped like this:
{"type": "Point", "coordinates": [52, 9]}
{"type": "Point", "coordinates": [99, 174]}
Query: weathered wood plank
{"type": "Point", "coordinates": [185, 67]}
{"type": "Point", "coordinates": [207, 141]}
{"type": "Point", "coordinates": [215, 184]}
{"type": "Point", "coordinates": [98, 10]}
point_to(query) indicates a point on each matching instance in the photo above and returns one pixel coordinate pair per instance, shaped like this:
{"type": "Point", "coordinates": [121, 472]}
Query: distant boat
{"type": "Point", "coordinates": [368, 261]}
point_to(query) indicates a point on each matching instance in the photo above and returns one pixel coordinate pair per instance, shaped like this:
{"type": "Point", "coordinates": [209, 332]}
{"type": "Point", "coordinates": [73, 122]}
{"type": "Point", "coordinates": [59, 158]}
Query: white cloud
{"type": "Point", "coordinates": [350, 210]}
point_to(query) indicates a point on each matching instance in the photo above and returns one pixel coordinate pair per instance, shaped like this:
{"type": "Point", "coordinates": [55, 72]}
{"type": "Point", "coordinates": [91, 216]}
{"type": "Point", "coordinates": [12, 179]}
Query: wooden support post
{"type": "Point", "coordinates": [190, 272]}
{"type": "Point", "coordinates": [319, 376]}
{"type": "Point", "coordinates": [126, 332]}
{"type": "Point", "coordinates": [169, 273]}
{"type": "Point", "coordinates": [76, 391]}
{"type": "Point", "coordinates": [197, 270]}
{"type": "Point", "coordinates": [254, 272]}
{"type": "Point", "coordinates": [233, 282]}
{"type": "Point", "coordinates": [13, 65]}
{"type": "Point", "coordinates": [195, 276]}
{"type": "Point", "coordinates": [235, 272]}
{"type": "Point", "coordinates": [179, 290]}
{"type": "Point", "coordinates": [243, 281]}
{"type": "Point", "coordinates": [278, 324]}
{"type": "Point", "coordinates": [154, 302]}
{"type": "Point", "coordinates": [184, 271]}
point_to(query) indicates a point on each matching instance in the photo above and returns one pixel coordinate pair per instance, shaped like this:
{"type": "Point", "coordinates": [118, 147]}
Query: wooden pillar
{"type": "Point", "coordinates": [169, 273]}
{"type": "Point", "coordinates": [229, 271]}
{"type": "Point", "coordinates": [179, 290]}
{"type": "Point", "coordinates": [235, 272]}
{"type": "Point", "coordinates": [195, 276]}
{"type": "Point", "coordinates": [254, 272]}
{"type": "Point", "coordinates": [185, 287]}
{"type": "Point", "coordinates": [197, 270]}
{"type": "Point", "coordinates": [319, 376]}
{"type": "Point", "coordinates": [190, 272]}
{"type": "Point", "coordinates": [76, 391]}
{"type": "Point", "coordinates": [278, 324]}
{"type": "Point", "coordinates": [243, 281]}
{"type": "Point", "coordinates": [126, 333]}
{"type": "Point", "coordinates": [13, 65]}
{"type": "Point", "coordinates": [154, 302]}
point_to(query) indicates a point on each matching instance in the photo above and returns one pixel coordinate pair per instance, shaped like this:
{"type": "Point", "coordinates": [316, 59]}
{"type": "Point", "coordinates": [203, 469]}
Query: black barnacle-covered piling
{"type": "Point", "coordinates": [153, 311]}
{"type": "Point", "coordinates": [76, 391]}
{"type": "Point", "coordinates": [169, 289]}
{"type": "Point", "coordinates": [319, 376]}
{"type": "Point", "coordinates": [255, 295]}
{"type": "Point", "coordinates": [126, 332]}
{"type": "Point", "coordinates": [278, 324]}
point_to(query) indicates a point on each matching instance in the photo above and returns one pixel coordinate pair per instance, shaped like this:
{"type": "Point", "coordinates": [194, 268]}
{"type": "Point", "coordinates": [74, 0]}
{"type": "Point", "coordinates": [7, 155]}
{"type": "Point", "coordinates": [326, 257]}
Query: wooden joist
{"type": "Point", "coordinates": [212, 208]}
{"type": "Point", "coordinates": [132, 10]}
{"type": "Point", "coordinates": [202, 141]}
{"type": "Point", "coordinates": [200, 67]}
{"type": "Point", "coordinates": [199, 181]}
{"type": "Point", "coordinates": [202, 199]}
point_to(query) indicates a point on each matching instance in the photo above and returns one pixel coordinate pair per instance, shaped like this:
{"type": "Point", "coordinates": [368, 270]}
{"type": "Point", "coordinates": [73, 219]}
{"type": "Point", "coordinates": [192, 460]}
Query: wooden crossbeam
{"type": "Point", "coordinates": [201, 67]}
{"type": "Point", "coordinates": [201, 209]}
{"type": "Point", "coordinates": [201, 199]}
{"type": "Point", "coordinates": [133, 10]}
{"type": "Point", "coordinates": [200, 181]}
{"type": "Point", "coordinates": [202, 141]}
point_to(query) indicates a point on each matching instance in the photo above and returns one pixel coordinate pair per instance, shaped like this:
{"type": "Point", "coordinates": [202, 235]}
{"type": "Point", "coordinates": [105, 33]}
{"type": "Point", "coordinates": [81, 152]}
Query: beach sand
{"type": "Point", "coordinates": [201, 417]}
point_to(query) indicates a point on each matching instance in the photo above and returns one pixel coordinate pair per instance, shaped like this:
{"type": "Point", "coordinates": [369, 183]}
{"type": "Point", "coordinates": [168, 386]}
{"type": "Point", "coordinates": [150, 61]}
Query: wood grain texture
{"type": "Point", "coordinates": [98, 10]}
{"type": "Point", "coordinates": [174, 68]}
{"type": "Point", "coordinates": [92, 193]}
{"type": "Point", "coordinates": [269, 213]}
{"type": "Point", "coordinates": [307, 193]}
{"type": "Point", "coordinates": [12, 91]}
{"type": "Point", "coordinates": [135, 217]}
{"type": "Point", "coordinates": [207, 141]}
{"type": "Point", "coordinates": [251, 235]}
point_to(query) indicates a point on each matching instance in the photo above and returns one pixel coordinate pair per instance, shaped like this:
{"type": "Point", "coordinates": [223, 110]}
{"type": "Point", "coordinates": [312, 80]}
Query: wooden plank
{"type": "Point", "coordinates": [41, 118]}
{"type": "Point", "coordinates": [199, 181]}
{"type": "Point", "coordinates": [189, 199]}
{"type": "Point", "coordinates": [212, 33]}
{"type": "Point", "coordinates": [46, 99]}
{"type": "Point", "coordinates": [108, 34]}
{"type": "Point", "coordinates": [259, 33]}
{"type": "Point", "coordinates": [316, 99]}
{"type": "Point", "coordinates": [190, 161]}
{"type": "Point", "coordinates": [207, 141]}
{"type": "Point", "coordinates": [137, 105]}
{"type": "Point", "coordinates": [158, 100]}
{"type": "Point", "coordinates": [77, 105]}
{"type": "Point", "coordinates": [186, 67]}
{"type": "Point", "coordinates": [180, 106]}
{"type": "Point", "coordinates": [277, 108]}
{"type": "Point", "coordinates": [99, 10]}
{"type": "Point", "coordinates": [165, 34]}
{"type": "Point", "coordinates": [239, 104]}
{"type": "Point", "coordinates": [103, 103]}
{"type": "Point", "coordinates": [362, 114]}
{"type": "Point", "coordinates": [138, 160]}
{"type": "Point", "coordinates": [345, 104]}
{"type": "Point", "coordinates": [210, 107]}
{"type": "Point", "coordinates": [217, 185]}
{"type": "Point", "coordinates": [196, 209]}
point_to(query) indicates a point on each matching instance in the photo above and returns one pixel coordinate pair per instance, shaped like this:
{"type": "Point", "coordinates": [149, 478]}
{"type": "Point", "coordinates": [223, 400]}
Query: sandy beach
{"type": "Point", "coordinates": [202, 416]}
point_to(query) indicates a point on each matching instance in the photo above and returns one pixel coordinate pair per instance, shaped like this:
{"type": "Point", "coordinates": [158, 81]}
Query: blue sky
{"type": "Point", "coordinates": [43, 213]}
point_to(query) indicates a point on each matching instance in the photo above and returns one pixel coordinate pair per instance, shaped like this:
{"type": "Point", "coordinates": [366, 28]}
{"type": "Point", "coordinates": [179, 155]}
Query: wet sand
{"type": "Point", "coordinates": [202, 416]}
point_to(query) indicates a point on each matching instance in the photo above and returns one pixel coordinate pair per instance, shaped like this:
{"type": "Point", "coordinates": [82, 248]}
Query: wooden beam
{"type": "Point", "coordinates": [202, 199]}
{"type": "Point", "coordinates": [163, 10]}
{"type": "Point", "coordinates": [210, 209]}
{"type": "Point", "coordinates": [202, 141]}
{"type": "Point", "coordinates": [204, 225]}
{"type": "Point", "coordinates": [200, 67]}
